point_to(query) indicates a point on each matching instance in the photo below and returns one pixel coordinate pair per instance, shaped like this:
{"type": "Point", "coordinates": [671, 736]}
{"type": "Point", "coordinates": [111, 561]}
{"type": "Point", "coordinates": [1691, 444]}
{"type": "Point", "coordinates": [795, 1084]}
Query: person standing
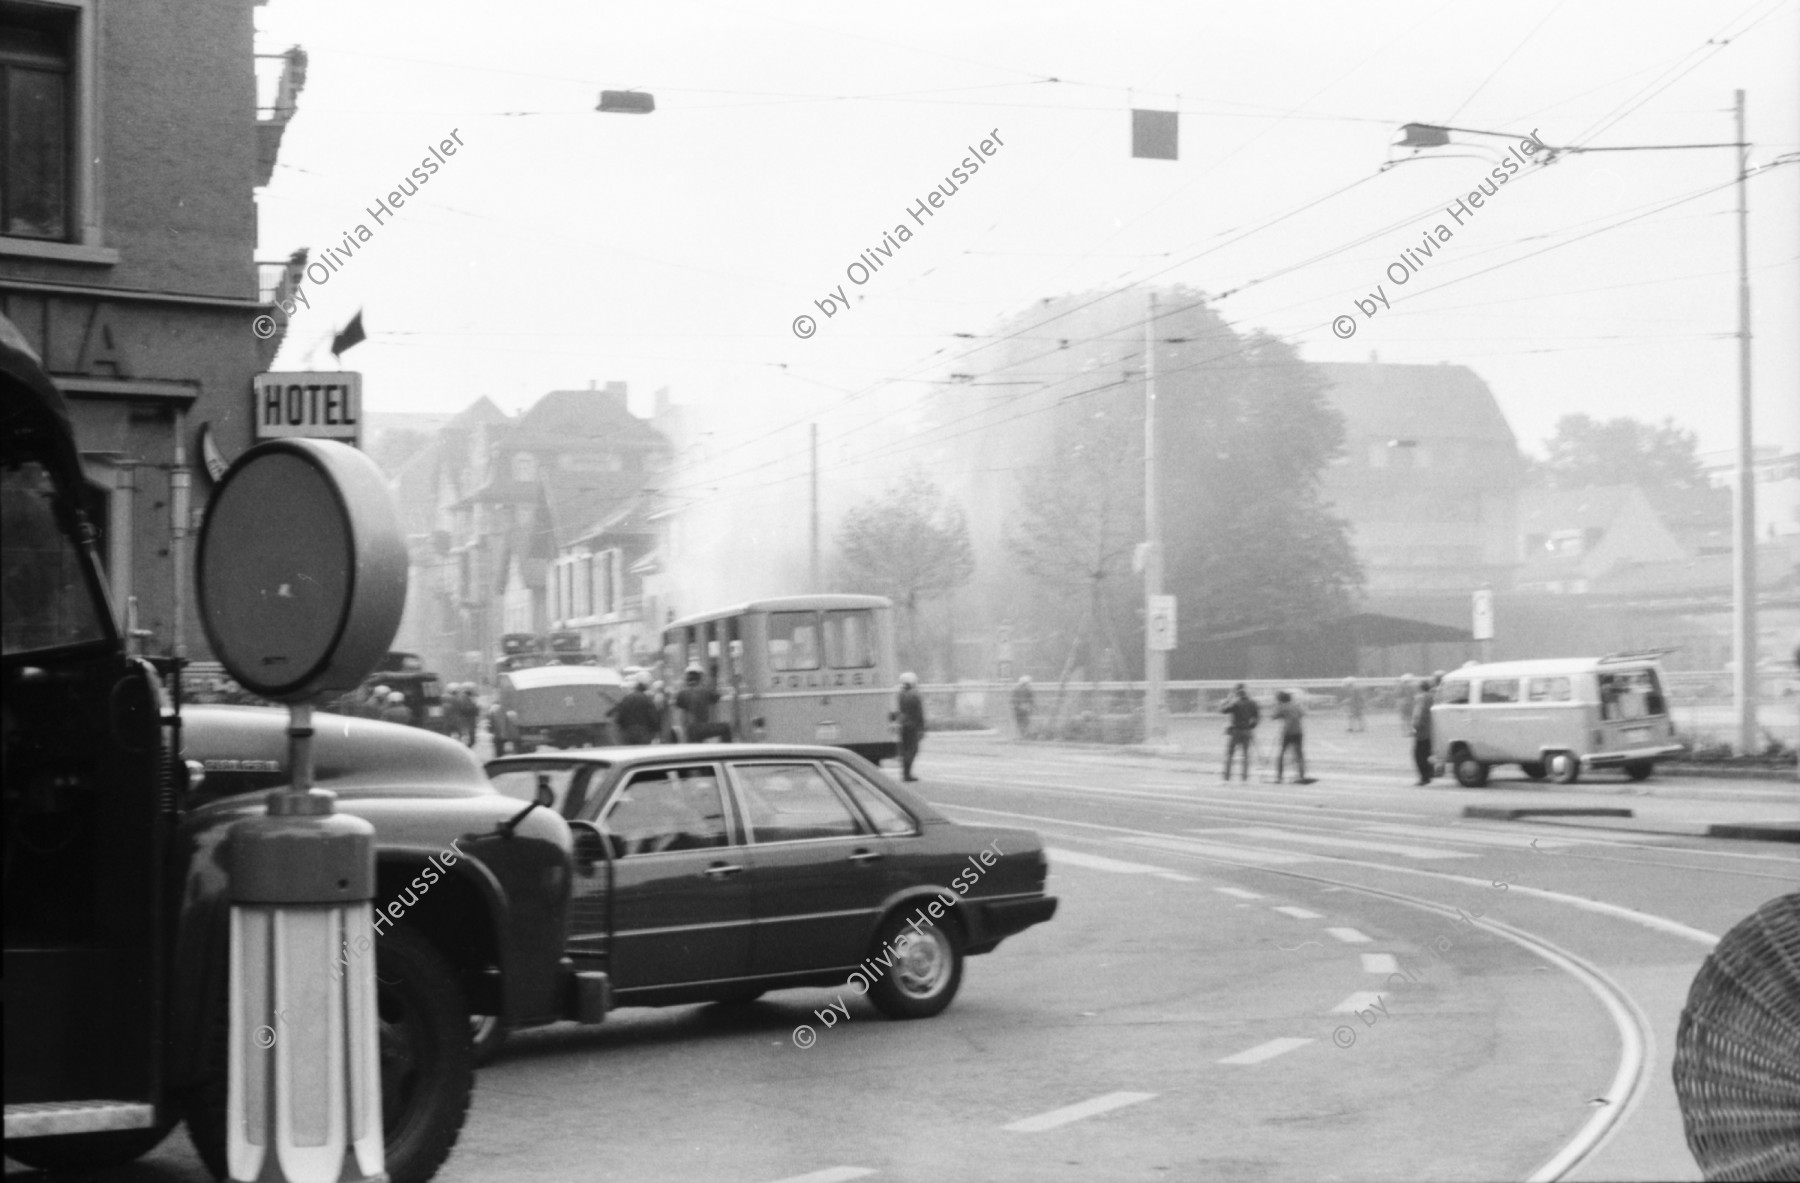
{"type": "Point", "coordinates": [1290, 713]}
{"type": "Point", "coordinates": [465, 712]}
{"type": "Point", "coordinates": [1243, 716]}
{"type": "Point", "coordinates": [636, 715]}
{"type": "Point", "coordinates": [1353, 704]}
{"type": "Point", "coordinates": [1421, 731]}
{"type": "Point", "coordinates": [911, 713]}
{"type": "Point", "coordinates": [376, 702]}
{"type": "Point", "coordinates": [1406, 690]}
{"type": "Point", "coordinates": [695, 702]}
{"type": "Point", "coordinates": [1022, 702]}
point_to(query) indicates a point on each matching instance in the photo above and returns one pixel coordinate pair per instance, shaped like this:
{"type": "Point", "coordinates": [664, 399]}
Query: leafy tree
{"type": "Point", "coordinates": [1660, 458]}
{"type": "Point", "coordinates": [1080, 516]}
{"type": "Point", "coordinates": [911, 545]}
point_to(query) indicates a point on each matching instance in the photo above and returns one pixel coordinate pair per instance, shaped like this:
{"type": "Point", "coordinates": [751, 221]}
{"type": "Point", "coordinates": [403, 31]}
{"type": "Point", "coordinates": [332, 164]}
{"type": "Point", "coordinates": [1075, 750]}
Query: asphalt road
{"type": "Point", "coordinates": [1346, 980]}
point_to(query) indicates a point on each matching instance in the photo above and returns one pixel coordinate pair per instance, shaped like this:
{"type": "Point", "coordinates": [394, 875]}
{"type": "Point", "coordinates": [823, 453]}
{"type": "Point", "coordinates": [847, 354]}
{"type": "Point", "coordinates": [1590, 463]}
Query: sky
{"type": "Point", "coordinates": [561, 245]}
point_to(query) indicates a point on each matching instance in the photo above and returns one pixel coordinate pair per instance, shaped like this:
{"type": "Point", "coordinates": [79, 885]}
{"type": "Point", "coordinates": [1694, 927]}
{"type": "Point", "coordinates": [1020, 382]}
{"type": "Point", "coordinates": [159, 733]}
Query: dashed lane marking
{"type": "Point", "coordinates": [1266, 1051]}
{"type": "Point", "coordinates": [1298, 913]}
{"type": "Point", "coordinates": [1380, 963]}
{"type": "Point", "coordinates": [1095, 862]}
{"type": "Point", "coordinates": [831, 1175]}
{"type": "Point", "coordinates": [1069, 1113]}
{"type": "Point", "coordinates": [1361, 1000]}
{"type": "Point", "coordinates": [1349, 936]}
{"type": "Point", "coordinates": [1239, 892]}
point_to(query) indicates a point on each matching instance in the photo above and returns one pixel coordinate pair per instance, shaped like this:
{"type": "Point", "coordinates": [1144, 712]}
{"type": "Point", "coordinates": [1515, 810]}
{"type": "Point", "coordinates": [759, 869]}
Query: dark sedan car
{"type": "Point", "coordinates": [711, 872]}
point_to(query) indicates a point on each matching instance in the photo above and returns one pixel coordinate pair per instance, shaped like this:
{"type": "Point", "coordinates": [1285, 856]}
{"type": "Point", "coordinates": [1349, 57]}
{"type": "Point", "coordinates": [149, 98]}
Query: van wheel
{"type": "Point", "coordinates": [1533, 770]}
{"type": "Point", "coordinates": [1564, 768]}
{"type": "Point", "coordinates": [1639, 769]}
{"type": "Point", "coordinates": [1470, 772]}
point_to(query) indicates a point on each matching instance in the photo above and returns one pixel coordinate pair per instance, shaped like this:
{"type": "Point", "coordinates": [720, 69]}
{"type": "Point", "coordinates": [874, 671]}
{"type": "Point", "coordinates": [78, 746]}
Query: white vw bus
{"type": "Point", "coordinates": [1553, 718]}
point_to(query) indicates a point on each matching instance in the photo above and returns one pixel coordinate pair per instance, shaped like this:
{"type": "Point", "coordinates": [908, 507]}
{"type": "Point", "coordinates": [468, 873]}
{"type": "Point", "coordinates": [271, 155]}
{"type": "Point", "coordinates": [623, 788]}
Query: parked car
{"type": "Point", "coordinates": [557, 705]}
{"type": "Point", "coordinates": [483, 938]}
{"type": "Point", "coordinates": [1553, 718]}
{"type": "Point", "coordinates": [717, 872]}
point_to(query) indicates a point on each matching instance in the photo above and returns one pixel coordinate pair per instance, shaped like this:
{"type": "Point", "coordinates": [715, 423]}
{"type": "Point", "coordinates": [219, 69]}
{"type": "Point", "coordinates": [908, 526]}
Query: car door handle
{"type": "Point", "coordinates": [720, 870]}
{"type": "Point", "coordinates": [865, 856]}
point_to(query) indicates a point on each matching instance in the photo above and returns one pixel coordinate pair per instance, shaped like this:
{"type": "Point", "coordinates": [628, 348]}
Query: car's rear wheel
{"type": "Point", "coordinates": [1564, 767]}
{"type": "Point", "coordinates": [925, 970]}
{"type": "Point", "coordinates": [1533, 770]}
{"type": "Point", "coordinates": [1639, 769]}
{"type": "Point", "coordinates": [1470, 772]}
{"type": "Point", "coordinates": [427, 1073]}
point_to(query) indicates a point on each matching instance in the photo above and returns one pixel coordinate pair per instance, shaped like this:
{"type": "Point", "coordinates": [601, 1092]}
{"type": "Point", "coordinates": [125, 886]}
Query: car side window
{"type": "Point", "coordinates": [791, 802]}
{"type": "Point", "coordinates": [1455, 692]}
{"type": "Point", "coordinates": [521, 784]}
{"type": "Point", "coordinates": [667, 809]}
{"type": "Point", "coordinates": [888, 818]}
{"type": "Point", "coordinates": [1500, 690]}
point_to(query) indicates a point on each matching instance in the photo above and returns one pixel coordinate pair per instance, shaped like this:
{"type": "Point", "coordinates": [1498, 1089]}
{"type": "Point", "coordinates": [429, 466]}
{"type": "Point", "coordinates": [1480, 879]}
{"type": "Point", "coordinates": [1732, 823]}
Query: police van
{"type": "Point", "coordinates": [1553, 718]}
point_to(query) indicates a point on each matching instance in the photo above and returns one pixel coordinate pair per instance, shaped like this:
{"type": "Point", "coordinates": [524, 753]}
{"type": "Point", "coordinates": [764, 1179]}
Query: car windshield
{"type": "Point", "coordinates": [46, 599]}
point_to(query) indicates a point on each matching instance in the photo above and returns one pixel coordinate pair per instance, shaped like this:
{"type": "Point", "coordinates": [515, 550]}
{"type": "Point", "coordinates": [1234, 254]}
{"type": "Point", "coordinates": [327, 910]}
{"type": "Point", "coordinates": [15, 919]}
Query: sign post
{"type": "Point", "coordinates": [302, 581]}
{"type": "Point", "coordinates": [1482, 609]}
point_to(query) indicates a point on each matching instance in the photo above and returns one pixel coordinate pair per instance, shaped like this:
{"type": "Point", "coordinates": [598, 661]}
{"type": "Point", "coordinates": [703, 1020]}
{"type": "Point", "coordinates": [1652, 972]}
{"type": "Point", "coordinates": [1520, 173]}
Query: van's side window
{"type": "Point", "coordinates": [1547, 689]}
{"type": "Point", "coordinates": [1499, 690]}
{"type": "Point", "coordinates": [1455, 692]}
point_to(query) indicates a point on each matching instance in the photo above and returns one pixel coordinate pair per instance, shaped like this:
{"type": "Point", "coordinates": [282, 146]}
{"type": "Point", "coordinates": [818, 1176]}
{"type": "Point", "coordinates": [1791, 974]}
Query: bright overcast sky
{"type": "Point", "coordinates": [676, 249]}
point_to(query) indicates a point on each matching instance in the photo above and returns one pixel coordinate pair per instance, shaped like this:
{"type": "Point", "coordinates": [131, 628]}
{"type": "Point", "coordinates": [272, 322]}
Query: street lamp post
{"type": "Point", "coordinates": [1418, 136]}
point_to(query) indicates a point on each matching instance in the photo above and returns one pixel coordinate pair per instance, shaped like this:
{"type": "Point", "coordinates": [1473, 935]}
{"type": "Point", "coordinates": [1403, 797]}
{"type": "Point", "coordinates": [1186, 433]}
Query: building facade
{"type": "Point", "coordinates": [132, 151]}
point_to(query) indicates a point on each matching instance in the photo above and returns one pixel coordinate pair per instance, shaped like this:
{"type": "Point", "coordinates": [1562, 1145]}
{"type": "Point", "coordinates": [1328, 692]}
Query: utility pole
{"type": "Point", "coordinates": [1744, 503]}
{"type": "Point", "coordinates": [815, 508]}
{"type": "Point", "coordinates": [1154, 659]}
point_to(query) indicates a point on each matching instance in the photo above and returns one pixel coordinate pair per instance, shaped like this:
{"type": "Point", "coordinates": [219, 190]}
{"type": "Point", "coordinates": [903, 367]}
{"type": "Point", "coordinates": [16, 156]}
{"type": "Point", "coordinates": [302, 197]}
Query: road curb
{"type": "Point", "coordinates": [1504, 814]}
{"type": "Point", "coordinates": [1751, 832]}
{"type": "Point", "coordinates": [1742, 831]}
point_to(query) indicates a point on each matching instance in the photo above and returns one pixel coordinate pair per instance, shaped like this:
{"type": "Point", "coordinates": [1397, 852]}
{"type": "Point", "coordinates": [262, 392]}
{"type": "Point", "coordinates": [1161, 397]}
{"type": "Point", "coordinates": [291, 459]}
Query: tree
{"type": "Point", "coordinates": [911, 545]}
{"type": "Point", "coordinates": [1080, 515]}
{"type": "Point", "coordinates": [1661, 459]}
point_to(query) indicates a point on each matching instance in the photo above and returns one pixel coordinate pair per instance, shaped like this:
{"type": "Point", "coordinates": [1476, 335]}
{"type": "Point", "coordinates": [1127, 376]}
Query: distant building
{"type": "Point", "coordinates": [508, 520]}
{"type": "Point", "coordinates": [1429, 480]}
{"type": "Point", "coordinates": [1569, 538]}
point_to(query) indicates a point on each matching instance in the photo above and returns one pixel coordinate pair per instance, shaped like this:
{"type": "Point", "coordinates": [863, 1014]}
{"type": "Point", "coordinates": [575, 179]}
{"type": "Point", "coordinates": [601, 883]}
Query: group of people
{"type": "Point", "coordinates": [1417, 696]}
{"type": "Point", "coordinates": [643, 714]}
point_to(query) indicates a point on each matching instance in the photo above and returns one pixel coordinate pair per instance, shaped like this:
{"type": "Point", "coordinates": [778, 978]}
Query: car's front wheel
{"type": "Point", "coordinates": [1470, 772]}
{"type": "Point", "coordinates": [427, 1073]}
{"type": "Point", "coordinates": [922, 971]}
{"type": "Point", "coordinates": [1564, 767]}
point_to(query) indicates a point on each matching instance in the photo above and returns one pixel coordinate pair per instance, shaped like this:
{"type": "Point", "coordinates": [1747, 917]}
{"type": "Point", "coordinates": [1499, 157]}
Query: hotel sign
{"type": "Point", "coordinates": [323, 405]}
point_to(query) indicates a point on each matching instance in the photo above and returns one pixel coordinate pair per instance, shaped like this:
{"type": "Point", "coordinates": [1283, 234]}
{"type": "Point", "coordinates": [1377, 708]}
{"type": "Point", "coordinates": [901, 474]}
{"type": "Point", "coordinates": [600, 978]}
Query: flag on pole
{"type": "Point", "coordinates": [352, 335]}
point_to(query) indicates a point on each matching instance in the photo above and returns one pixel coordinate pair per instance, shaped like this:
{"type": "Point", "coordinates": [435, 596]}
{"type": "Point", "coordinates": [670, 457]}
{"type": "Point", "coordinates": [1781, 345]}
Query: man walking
{"type": "Point", "coordinates": [911, 713]}
{"type": "Point", "coordinates": [636, 715]}
{"type": "Point", "coordinates": [1421, 731]}
{"type": "Point", "coordinates": [1353, 704]}
{"type": "Point", "coordinates": [1243, 715]}
{"type": "Point", "coordinates": [695, 702]}
{"type": "Point", "coordinates": [1022, 702]}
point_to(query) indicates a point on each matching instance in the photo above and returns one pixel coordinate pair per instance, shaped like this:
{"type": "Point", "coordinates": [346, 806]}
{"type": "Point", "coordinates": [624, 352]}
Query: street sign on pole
{"type": "Point", "coordinates": [1484, 615]}
{"type": "Point", "coordinates": [1160, 622]}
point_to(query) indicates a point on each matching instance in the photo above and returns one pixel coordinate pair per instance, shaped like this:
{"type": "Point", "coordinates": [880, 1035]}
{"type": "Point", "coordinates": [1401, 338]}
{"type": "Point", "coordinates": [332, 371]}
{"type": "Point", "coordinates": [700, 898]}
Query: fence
{"type": "Point", "coordinates": [1700, 703]}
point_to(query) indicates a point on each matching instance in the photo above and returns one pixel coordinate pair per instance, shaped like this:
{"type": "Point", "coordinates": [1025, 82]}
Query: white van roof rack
{"type": "Point", "coordinates": [1638, 654]}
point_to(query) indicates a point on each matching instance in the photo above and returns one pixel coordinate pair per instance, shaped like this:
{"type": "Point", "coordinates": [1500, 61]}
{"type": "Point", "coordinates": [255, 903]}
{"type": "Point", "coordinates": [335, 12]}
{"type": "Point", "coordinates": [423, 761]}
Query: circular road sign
{"type": "Point", "coordinates": [302, 569]}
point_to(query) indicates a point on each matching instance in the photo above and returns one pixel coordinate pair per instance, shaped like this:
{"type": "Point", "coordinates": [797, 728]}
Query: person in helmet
{"type": "Point", "coordinates": [396, 710]}
{"type": "Point", "coordinates": [910, 713]}
{"type": "Point", "coordinates": [695, 703]}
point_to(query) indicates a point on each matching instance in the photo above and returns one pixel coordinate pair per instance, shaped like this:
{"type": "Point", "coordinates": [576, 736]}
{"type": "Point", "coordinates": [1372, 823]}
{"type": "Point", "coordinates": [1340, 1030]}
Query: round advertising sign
{"type": "Point", "coordinates": [302, 569]}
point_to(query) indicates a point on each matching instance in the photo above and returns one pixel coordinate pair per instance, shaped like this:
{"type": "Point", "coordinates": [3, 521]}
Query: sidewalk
{"type": "Point", "coordinates": [1766, 810]}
